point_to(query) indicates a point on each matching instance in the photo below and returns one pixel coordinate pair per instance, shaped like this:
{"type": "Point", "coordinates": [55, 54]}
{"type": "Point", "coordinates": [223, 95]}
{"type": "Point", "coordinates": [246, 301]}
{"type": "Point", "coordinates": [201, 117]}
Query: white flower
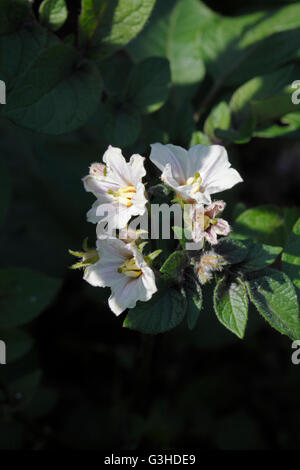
{"type": "Point", "coordinates": [122, 268]}
{"type": "Point", "coordinates": [118, 188]}
{"type": "Point", "coordinates": [197, 173]}
{"type": "Point", "coordinates": [129, 234]}
{"type": "Point", "coordinates": [206, 224]}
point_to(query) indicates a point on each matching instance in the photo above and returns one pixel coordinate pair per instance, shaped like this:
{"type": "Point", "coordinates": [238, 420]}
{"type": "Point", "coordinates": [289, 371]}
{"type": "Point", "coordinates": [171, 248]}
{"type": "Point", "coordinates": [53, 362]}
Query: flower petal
{"type": "Point", "coordinates": [115, 214]}
{"type": "Point", "coordinates": [122, 172]}
{"type": "Point", "coordinates": [137, 169]}
{"type": "Point", "coordinates": [168, 178]}
{"type": "Point", "coordinates": [148, 280]}
{"type": "Point", "coordinates": [127, 294]}
{"type": "Point", "coordinates": [204, 158]}
{"type": "Point", "coordinates": [215, 208]}
{"type": "Point", "coordinates": [222, 227]}
{"type": "Point", "coordinates": [112, 250]}
{"type": "Point", "coordinates": [100, 187]}
{"type": "Point", "coordinates": [139, 200]}
{"type": "Point", "coordinates": [211, 235]}
{"type": "Point", "coordinates": [101, 275]}
{"type": "Point", "coordinates": [214, 167]}
{"type": "Point", "coordinates": [123, 296]}
{"type": "Point", "coordinates": [161, 155]}
{"type": "Point", "coordinates": [223, 180]}
{"type": "Point", "coordinates": [116, 166]}
{"type": "Point", "coordinates": [104, 273]}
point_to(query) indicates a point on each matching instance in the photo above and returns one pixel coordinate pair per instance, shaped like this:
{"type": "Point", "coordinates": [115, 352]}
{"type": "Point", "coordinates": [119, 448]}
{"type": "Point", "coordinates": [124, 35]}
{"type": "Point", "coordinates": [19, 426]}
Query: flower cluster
{"type": "Point", "coordinates": [118, 261]}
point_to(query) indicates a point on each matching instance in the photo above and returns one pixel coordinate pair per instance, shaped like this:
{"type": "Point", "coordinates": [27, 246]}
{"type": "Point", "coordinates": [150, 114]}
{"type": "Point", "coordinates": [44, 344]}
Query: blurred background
{"type": "Point", "coordinates": [75, 378]}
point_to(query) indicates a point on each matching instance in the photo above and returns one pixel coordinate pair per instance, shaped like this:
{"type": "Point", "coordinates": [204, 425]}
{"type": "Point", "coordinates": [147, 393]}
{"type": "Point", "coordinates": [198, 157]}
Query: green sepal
{"type": "Point", "coordinates": [151, 257]}
{"type": "Point", "coordinates": [78, 254]}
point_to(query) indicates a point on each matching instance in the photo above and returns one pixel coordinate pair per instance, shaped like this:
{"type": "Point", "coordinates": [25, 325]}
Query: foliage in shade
{"type": "Point", "coordinates": [275, 298]}
{"type": "Point", "coordinates": [24, 294]}
{"type": "Point", "coordinates": [291, 256]}
{"type": "Point", "coordinates": [13, 15]}
{"type": "Point", "coordinates": [5, 191]}
{"type": "Point", "coordinates": [194, 298]}
{"type": "Point", "coordinates": [163, 312]}
{"type": "Point", "coordinates": [19, 343]}
{"type": "Point", "coordinates": [105, 26]}
{"type": "Point", "coordinates": [148, 84]}
{"type": "Point", "coordinates": [231, 305]}
{"type": "Point", "coordinates": [37, 104]}
{"type": "Point", "coordinates": [174, 32]}
{"type": "Point", "coordinates": [172, 267]}
{"type": "Point", "coordinates": [80, 76]}
{"type": "Point", "coordinates": [53, 13]}
{"type": "Point", "coordinates": [263, 224]}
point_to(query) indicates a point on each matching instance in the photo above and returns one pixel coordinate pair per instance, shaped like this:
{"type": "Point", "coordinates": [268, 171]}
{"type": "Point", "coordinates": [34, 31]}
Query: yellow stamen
{"type": "Point", "coordinates": [124, 195]}
{"type": "Point", "coordinates": [206, 222]}
{"type": "Point", "coordinates": [195, 181]}
{"type": "Point", "coordinates": [130, 269]}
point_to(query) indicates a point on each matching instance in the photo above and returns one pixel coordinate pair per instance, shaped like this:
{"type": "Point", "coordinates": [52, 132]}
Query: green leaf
{"type": "Point", "coordinates": [231, 305]}
{"type": "Point", "coordinates": [163, 312]}
{"type": "Point", "coordinates": [113, 71]}
{"type": "Point", "coordinates": [177, 121]}
{"type": "Point", "coordinates": [172, 267]}
{"type": "Point", "coordinates": [291, 216]}
{"type": "Point", "coordinates": [119, 124]}
{"type": "Point", "coordinates": [24, 294]}
{"type": "Point", "coordinates": [18, 343]}
{"type": "Point", "coordinates": [27, 45]}
{"type": "Point", "coordinates": [194, 298]}
{"type": "Point", "coordinates": [290, 124]}
{"type": "Point", "coordinates": [219, 118]}
{"type": "Point", "coordinates": [260, 256]}
{"type": "Point", "coordinates": [40, 228]}
{"type": "Point", "coordinates": [44, 73]}
{"type": "Point", "coordinates": [53, 13]}
{"type": "Point", "coordinates": [25, 387]}
{"type": "Point", "coordinates": [264, 98]}
{"type": "Point", "coordinates": [161, 190]}
{"type": "Point", "coordinates": [248, 255]}
{"type": "Point", "coordinates": [234, 251]}
{"type": "Point", "coordinates": [105, 25]}
{"type": "Point", "coordinates": [148, 84]}
{"type": "Point", "coordinates": [263, 224]}
{"type": "Point", "coordinates": [238, 209]}
{"type": "Point", "coordinates": [275, 298]}
{"type": "Point", "coordinates": [199, 137]}
{"type": "Point", "coordinates": [242, 135]}
{"type": "Point", "coordinates": [291, 256]}
{"type": "Point", "coordinates": [174, 32]}
{"type": "Point", "coordinates": [13, 15]}
{"type": "Point", "coordinates": [238, 48]}
{"type": "Point", "coordinates": [179, 234]}
{"type": "Point", "coordinates": [5, 190]}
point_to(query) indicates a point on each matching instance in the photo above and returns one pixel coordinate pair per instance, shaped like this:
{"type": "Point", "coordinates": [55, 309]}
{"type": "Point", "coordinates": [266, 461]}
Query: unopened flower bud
{"type": "Point", "coordinates": [87, 257]}
{"type": "Point", "coordinates": [98, 170]}
{"type": "Point", "coordinates": [209, 263]}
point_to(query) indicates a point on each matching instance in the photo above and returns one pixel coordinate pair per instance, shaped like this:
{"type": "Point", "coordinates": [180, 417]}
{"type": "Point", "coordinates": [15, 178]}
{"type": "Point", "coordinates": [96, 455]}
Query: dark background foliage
{"type": "Point", "coordinates": [82, 380]}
